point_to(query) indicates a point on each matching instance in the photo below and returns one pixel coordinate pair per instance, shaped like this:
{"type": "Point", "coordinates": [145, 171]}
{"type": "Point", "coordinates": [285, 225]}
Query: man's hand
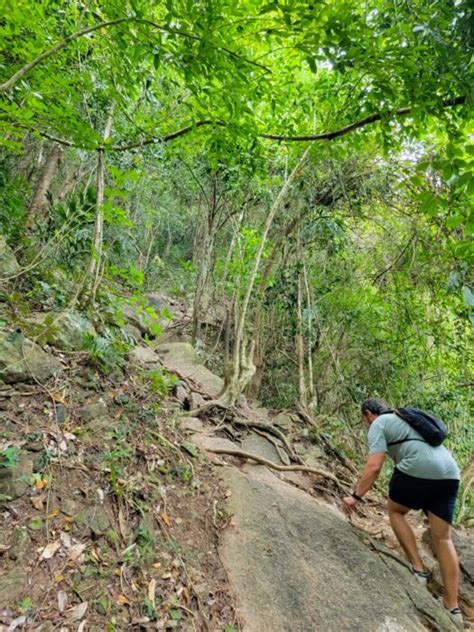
{"type": "Point", "coordinates": [348, 504]}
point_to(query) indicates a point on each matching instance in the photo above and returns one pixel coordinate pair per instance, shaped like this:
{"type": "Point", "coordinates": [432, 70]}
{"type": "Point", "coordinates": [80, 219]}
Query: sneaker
{"type": "Point", "coordinates": [455, 614]}
{"type": "Point", "coordinates": [422, 576]}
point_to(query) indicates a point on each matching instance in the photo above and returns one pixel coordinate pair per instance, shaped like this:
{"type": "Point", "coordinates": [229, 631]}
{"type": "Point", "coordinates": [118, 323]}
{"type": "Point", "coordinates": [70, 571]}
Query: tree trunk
{"type": "Point", "coordinates": [92, 278]}
{"type": "Point", "coordinates": [311, 390]}
{"type": "Point", "coordinates": [207, 247]}
{"type": "Point", "coordinates": [299, 345]}
{"type": "Point", "coordinates": [242, 367]}
{"type": "Point", "coordinates": [39, 201]}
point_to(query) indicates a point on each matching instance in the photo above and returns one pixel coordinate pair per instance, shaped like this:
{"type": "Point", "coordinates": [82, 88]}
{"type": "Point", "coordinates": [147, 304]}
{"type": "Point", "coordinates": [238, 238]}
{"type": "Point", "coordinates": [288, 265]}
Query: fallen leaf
{"type": "Point", "coordinates": [78, 612]}
{"type": "Point", "coordinates": [58, 578]}
{"type": "Point", "coordinates": [65, 539]}
{"type": "Point", "coordinates": [152, 590]}
{"type": "Point", "coordinates": [166, 519]}
{"type": "Point", "coordinates": [76, 551]}
{"type": "Point", "coordinates": [58, 397]}
{"type": "Point", "coordinates": [123, 601]}
{"type": "Point", "coordinates": [82, 627]}
{"type": "Point", "coordinates": [55, 513]}
{"type": "Point", "coordinates": [37, 502]}
{"type": "Point", "coordinates": [49, 550]}
{"type": "Point", "coordinates": [62, 601]}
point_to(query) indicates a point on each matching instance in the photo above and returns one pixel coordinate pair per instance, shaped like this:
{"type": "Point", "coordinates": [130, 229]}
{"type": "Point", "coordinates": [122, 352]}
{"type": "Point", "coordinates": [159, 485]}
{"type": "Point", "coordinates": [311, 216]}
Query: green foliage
{"type": "Point", "coordinates": [105, 352]}
{"type": "Point", "coordinates": [9, 457]}
{"type": "Point", "coordinates": [161, 381]}
{"type": "Point", "coordinates": [25, 605]}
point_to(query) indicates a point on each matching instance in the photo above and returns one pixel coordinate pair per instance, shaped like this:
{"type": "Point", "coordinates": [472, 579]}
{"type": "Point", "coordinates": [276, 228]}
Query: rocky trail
{"type": "Point", "coordinates": [144, 516]}
{"type": "Point", "coordinates": [294, 561]}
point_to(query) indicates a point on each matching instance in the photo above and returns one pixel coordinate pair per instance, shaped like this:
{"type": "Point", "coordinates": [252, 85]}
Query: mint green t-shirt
{"type": "Point", "coordinates": [416, 458]}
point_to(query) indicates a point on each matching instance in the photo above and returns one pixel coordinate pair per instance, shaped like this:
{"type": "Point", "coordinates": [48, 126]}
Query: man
{"type": "Point", "coordinates": [425, 477]}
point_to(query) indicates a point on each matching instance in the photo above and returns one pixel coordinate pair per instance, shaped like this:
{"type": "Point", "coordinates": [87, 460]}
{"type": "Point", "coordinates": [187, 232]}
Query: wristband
{"type": "Point", "coordinates": [354, 495]}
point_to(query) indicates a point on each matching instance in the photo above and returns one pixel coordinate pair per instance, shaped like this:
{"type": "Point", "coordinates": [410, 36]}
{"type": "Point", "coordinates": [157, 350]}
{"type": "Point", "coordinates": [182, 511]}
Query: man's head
{"type": "Point", "coordinates": [372, 408]}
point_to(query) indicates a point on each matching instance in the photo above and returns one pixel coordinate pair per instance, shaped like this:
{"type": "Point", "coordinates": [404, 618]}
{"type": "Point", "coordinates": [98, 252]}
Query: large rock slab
{"type": "Point", "coordinates": [181, 357]}
{"type": "Point", "coordinates": [296, 564]}
{"type": "Point", "coordinates": [8, 264]}
{"type": "Point", "coordinates": [22, 360]}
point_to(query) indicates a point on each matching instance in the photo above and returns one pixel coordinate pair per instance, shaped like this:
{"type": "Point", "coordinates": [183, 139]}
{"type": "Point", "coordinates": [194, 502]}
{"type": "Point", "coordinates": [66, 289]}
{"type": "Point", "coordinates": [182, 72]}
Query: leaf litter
{"type": "Point", "coordinates": [119, 521]}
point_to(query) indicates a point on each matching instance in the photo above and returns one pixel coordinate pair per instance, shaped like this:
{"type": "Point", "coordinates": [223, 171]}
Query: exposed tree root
{"type": "Point", "coordinates": [260, 425]}
{"type": "Point", "coordinates": [279, 468]}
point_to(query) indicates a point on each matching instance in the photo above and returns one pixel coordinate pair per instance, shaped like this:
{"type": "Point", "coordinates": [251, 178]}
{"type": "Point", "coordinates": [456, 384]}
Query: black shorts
{"type": "Point", "coordinates": [437, 496]}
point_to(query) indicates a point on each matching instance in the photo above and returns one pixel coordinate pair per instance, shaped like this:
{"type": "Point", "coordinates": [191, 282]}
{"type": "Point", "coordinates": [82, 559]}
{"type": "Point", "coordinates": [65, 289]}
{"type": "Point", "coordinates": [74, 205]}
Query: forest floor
{"type": "Point", "coordinates": [120, 516]}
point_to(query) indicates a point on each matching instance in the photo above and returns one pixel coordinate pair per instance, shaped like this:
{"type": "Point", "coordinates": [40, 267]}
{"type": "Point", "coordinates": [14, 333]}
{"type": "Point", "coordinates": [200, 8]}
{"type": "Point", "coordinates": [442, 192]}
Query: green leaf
{"type": "Point", "coordinates": [468, 296]}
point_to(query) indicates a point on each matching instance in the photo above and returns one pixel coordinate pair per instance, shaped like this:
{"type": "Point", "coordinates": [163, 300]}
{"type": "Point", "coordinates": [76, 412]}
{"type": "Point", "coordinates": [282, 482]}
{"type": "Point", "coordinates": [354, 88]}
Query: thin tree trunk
{"type": "Point", "coordinates": [39, 201]}
{"type": "Point", "coordinates": [311, 392]}
{"type": "Point", "coordinates": [92, 278]}
{"type": "Point", "coordinates": [242, 367]}
{"type": "Point", "coordinates": [303, 400]}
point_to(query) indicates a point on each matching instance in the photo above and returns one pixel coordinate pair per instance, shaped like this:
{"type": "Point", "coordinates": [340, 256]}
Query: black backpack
{"type": "Point", "coordinates": [430, 427]}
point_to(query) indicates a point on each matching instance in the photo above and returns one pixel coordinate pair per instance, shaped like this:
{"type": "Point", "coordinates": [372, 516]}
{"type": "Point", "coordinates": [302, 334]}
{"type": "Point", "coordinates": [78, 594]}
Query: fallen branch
{"type": "Point", "coordinates": [279, 468]}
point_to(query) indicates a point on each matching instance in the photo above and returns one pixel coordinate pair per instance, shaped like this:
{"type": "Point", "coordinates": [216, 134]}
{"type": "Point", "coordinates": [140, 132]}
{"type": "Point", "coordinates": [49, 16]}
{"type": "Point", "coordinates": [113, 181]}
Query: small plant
{"type": "Point", "coordinates": [9, 457]}
{"type": "Point", "coordinates": [149, 609]}
{"type": "Point", "coordinates": [161, 382]}
{"type": "Point", "coordinates": [25, 605]}
{"type": "Point", "coordinates": [105, 352]}
{"type": "Point", "coordinates": [145, 537]}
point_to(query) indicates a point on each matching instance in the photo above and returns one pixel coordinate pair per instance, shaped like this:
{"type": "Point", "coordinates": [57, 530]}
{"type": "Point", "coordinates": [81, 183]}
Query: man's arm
{"type": "Point", "coordinates": [370, 474]}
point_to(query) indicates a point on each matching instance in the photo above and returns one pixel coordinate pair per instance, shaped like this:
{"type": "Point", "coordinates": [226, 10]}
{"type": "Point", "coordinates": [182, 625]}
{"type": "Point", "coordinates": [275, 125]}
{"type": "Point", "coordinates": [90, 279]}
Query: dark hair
{"type": "Point", "coordinates": [374, 405]}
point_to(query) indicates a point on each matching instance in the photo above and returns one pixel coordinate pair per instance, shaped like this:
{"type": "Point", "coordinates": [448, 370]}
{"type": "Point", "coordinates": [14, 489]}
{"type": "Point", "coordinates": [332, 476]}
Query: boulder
{"type": "Point", "coordinates": [16, 480]}
{"type": "Point", "coordinates": [191, 424]}
{"type": "Point", "coordinates": [66, 330]}
{"type": "Point", "coordinates": [142, 318]}
{"type": "Point", "coordinates": [310, 569]}
{"type": "Point", "coordinates": [9, 266]}
{"type": "Point", "coordinates": [181, 357]}
{"type": "Point", "coordinates": [22, 360]}
{"type": "Point", "coordinates": [145, 357]}
{"type": "Point", "coordinates": [283, 420]}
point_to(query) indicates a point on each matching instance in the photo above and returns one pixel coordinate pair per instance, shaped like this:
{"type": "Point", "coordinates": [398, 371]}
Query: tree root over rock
{"type": "Point", "coordinates": [280, 468]}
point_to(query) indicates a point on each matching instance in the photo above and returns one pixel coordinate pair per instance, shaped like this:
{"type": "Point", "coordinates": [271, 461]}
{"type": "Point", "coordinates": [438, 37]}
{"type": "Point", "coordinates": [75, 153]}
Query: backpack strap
{"type": "Point", "coordinates": [396, 412]}
{"type": "Point", "coordinates": [406, 439]}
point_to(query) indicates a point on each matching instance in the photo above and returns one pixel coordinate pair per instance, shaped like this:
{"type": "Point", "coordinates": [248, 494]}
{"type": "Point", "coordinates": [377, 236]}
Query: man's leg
{"type": "Point", "coordinates": [447, 558]}
{"type": "Point", "coordinates": [404, 533]}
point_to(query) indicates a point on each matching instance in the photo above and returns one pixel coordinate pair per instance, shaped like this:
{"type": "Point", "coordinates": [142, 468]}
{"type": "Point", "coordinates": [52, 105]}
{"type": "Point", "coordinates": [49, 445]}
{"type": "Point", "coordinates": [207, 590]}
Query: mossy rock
{"type": "Point", "coordinates": [22, 360]}
{"type": "Point", "coordinates": [66, 330]}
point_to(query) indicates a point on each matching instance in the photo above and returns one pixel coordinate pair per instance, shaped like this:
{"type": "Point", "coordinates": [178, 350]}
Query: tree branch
{"type": "Point", "coordinates": [368, 120]}
{"type": "Point", "coordinates": [400, 255]}
{"type": "Point", "coordinates": [4, 87]}
{"type": "Point", "coordinates": [189, 128]}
